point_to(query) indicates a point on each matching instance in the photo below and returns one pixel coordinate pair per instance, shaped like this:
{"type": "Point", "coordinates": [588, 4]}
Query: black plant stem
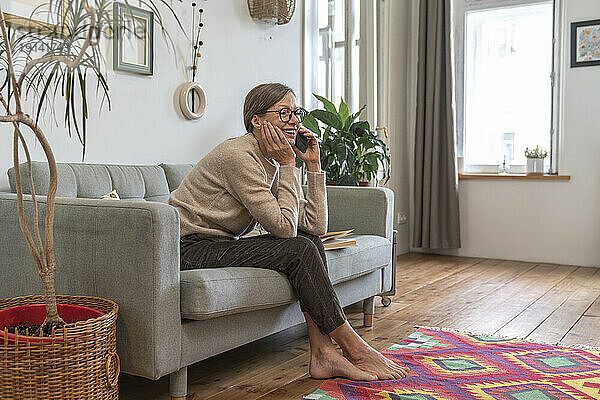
{"type": "Point", "coordinates": [193, 34]}
{"type": "Point", "coordinates": [197, 44]}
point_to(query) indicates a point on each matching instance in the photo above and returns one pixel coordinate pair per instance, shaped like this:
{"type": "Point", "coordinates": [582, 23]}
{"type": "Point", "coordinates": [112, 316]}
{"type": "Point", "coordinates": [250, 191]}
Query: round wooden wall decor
{"type": "Point", "coordinates": [192, 100]}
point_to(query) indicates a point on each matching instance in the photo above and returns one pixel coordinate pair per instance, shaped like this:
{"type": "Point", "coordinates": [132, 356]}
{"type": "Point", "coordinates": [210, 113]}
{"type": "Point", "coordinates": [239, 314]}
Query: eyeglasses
{"type": "Point", "coordinates": [285, 114]}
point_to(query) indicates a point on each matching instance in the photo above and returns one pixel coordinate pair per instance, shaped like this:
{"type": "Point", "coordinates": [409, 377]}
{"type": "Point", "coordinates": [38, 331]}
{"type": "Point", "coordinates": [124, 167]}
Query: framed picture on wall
{"type": "Point", "coordinates": [133, 41]}
{"type": "Point", "coordinates": [585, 43]}
{"type": "Point", "coordinates": [34, 15]}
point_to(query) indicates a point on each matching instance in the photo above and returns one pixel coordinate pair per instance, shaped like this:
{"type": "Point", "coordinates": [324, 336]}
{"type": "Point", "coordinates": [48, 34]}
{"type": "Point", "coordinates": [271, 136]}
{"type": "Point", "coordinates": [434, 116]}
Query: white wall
{"type": "Point", "coordinates": [145, 127]}
{"type": "Point", "coordinates": [555, 222]}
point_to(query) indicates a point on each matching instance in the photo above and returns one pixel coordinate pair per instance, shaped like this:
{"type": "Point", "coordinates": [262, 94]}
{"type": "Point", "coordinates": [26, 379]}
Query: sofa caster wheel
{"type": "Point", "coordinates": [386, 301]}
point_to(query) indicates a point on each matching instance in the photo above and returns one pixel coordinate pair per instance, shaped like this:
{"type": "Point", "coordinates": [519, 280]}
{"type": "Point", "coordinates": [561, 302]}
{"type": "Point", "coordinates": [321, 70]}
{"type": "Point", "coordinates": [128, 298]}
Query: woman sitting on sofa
{"type": "Point", "coordinates": [253, 179]}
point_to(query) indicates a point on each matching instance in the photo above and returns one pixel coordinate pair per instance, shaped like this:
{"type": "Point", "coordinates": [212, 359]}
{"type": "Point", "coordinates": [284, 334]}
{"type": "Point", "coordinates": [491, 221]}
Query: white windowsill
{"type": "Point", "coordinates": [545, 177]}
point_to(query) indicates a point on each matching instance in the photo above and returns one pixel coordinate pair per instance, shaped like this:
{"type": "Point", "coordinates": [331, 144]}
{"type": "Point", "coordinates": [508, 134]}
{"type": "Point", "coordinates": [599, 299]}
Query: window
{"type": "Point", "coordinates": [505, 81]}
{"type": "Point", "coordinates": [334, 43]}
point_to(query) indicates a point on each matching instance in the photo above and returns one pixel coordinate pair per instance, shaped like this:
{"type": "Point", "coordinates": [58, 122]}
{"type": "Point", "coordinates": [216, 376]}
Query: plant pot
{"type": "Point", "coordinates": [78, 362]}
{"type": "Point", "coordinates": [34, 314]}
{"type": "Point", "coordinates": [331, 183]}
{"type": "Point", "coordinates": [365, 184]}
{"type": "Point", "coordinates": [535, 166]}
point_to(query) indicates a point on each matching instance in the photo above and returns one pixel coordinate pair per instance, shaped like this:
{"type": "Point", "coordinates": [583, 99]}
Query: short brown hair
{"type": "Point", "coordinates": [261, 98]}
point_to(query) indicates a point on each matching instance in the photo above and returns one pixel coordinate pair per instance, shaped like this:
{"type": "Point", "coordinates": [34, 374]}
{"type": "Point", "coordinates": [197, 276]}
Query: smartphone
{"type": "Point", "coordinates": [301, 142]}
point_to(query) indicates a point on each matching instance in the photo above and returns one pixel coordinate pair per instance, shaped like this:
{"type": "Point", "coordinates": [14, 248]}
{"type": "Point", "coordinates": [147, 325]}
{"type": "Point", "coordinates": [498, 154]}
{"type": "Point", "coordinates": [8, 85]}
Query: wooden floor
{"type": "Point", "coordinates": [542, 302]}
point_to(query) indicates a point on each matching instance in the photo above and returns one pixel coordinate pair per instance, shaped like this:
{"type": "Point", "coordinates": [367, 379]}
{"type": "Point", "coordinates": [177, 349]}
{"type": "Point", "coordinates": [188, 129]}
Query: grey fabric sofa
{"type": "Point", "coordinates": [128, 251]}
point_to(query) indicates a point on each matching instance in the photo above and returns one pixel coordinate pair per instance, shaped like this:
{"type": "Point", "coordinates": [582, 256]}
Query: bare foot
{"type": "Point", "coordinates": [326, 362]}
{"type": "Point", "coordinates": [372, 361]}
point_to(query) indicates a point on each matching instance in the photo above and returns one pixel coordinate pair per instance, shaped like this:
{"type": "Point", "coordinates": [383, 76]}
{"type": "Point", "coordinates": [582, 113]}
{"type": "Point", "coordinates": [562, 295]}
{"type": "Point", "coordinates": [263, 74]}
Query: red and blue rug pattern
{"type": "Point", "coordinates": [453, 366]}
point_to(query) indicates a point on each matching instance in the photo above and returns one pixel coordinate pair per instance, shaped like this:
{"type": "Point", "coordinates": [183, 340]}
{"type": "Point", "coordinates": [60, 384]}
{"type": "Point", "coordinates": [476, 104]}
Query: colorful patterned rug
{"type": "Point", "coordinates": [453, 366]}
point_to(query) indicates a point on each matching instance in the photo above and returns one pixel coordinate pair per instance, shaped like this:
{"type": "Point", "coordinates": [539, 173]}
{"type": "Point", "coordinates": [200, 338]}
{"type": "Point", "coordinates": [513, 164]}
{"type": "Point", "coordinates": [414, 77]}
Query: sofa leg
{"type": "Point", "coordinates": [178, 384]}
{"type": "Point", "coordinates": [368, 311]}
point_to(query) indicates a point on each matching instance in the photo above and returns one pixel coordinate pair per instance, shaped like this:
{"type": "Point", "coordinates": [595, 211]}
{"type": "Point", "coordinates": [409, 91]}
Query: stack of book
{"type": "Point", "coordinates": [338, 240]}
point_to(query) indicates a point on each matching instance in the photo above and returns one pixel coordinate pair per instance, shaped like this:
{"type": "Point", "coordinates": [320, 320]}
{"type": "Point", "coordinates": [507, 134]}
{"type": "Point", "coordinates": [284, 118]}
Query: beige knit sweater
{"type": "Point", "coordinates": [235, 186]}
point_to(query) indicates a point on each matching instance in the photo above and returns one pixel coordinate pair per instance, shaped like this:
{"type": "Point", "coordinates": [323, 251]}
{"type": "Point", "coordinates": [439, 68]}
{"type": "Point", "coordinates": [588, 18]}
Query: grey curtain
{"type": "Point", "coordinates": [435, 219]}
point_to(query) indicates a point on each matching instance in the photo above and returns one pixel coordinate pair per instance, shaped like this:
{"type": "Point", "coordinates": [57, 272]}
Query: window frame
{"type": "Point", "coordinates": [460, 9]}
{"type": "Point", "coordinates": [326, 35]}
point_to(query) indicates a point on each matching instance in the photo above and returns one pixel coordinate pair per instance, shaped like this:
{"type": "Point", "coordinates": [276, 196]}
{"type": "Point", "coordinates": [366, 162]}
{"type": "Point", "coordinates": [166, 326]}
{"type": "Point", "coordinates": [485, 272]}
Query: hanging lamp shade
{"type": "Point", "coordinates": [278, 12]}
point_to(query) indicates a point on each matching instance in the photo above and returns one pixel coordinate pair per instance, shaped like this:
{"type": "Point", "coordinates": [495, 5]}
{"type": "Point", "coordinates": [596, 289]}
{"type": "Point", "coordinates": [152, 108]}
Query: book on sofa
{"type": "Point", "coordinates": [338, 240]}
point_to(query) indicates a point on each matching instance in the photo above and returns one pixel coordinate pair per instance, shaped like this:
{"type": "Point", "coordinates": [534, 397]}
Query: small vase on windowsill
{"type": "Point", "coordinates": [535, 166]}
{"type": "Point", "coordinates": [535, 161]}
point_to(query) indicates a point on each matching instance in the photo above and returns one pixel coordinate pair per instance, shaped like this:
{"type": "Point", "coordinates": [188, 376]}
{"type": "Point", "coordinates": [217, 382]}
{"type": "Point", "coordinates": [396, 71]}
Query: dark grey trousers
{"type": "Point", "coordinates": [301, 258]}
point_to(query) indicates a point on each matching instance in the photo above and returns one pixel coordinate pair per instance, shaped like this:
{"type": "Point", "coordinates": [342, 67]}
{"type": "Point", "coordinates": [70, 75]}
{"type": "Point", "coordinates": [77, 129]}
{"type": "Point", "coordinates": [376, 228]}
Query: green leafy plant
{"type": "Point", "coordinates": [350, 151]}
{"type": "Point", "coordinates": [535, 153]}
{"type": "Point", "coordinates": [54, 62]}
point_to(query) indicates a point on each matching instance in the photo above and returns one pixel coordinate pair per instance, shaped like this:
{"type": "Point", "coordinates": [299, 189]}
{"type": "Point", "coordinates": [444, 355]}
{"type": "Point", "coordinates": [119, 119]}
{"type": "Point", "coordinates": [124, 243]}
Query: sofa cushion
{"type": "Point", "coordinates": [155, 182]}
{"type": "Point", "coordinates": [175, 173]}
{"type": "Point", "coordinates": [371, 252]}
{"type": "Point", "coordinates": [67, 184]}
{"type": "Point", "coordinates": [214, 292]}
{"type": "Point", "coordinates": [133, 182]}
{"type": "Point", "coordinates": [127, 181]}
{"type": "Point", "coordinates": [93, 180]}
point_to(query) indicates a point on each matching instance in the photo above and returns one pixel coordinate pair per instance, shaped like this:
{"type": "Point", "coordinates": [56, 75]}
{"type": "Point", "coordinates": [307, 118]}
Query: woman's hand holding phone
{"type": "Point", "coordinates": [301, 143]}
{"type": "Point", "coordinates": [311, 157]}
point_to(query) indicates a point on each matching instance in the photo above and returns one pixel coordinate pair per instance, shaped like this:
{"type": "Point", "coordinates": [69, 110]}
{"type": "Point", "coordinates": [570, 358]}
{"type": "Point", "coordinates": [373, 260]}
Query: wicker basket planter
{"type": "Point", "coordinates": [78, 362]}
{"type": "Point", "coordinates": [279, 12]}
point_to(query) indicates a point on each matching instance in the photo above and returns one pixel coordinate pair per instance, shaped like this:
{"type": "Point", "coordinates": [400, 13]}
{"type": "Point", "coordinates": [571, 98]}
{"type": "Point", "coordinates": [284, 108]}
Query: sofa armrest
{"type": "Point", "coordinates": [367, 210]}
{"type": "Point", "coordinates": [125, 251]}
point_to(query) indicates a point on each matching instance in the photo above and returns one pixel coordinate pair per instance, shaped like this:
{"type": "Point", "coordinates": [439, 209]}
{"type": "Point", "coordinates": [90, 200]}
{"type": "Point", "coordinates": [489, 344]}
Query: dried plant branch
{"type": "Point", "coordinates": [66, 60]}
{"type": "Point", "coordinates": [36, 250]}
{"type": "Point", "coordinates": [37, 253]}
{"type": "Point", "coordinates": [46, 260]}
{"type": "Point", "coordinates": [36, 213]}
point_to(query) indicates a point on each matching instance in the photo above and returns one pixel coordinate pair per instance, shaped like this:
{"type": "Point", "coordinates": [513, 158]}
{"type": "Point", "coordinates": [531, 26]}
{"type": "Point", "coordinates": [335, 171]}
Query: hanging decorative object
{"type": "Point", "coordinates": [278, 12]}
{"type": "Point", "coordinates": [192, 98]}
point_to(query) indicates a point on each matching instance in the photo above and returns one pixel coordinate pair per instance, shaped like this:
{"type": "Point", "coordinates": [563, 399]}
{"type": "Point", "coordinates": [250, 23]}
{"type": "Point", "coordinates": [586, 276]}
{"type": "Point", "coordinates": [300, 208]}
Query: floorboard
{"type": "Point", "coordinates": [594, 310]}
{"type": "Point", "coordinates": [497, 308]}
{"type": "Point", "coordinates": [565, 316]}
{"type": "Point", "coordinates": [534, 315]}
{"type": "Point", "coordinates": [584, 332]}
{"type": "Point", "coordinates": [542, 302]}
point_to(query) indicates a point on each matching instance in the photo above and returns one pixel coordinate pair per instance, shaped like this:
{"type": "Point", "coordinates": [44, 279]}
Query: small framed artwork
{"type": "Point", "coordinates": [585, 43]}
{"type": "Point", "coordinates": [133, 41]}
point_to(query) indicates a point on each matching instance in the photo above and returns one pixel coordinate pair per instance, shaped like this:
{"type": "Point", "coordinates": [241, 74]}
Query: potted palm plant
{"type": "Point", "coordinates": [351, 153]}
{"type": "Point", "coordinates": [54, 346]}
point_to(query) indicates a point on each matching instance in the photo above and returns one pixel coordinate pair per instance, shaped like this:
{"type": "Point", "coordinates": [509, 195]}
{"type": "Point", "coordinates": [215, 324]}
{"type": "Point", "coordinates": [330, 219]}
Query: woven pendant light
{"type": "Point", "coordinates": [279, 12]}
